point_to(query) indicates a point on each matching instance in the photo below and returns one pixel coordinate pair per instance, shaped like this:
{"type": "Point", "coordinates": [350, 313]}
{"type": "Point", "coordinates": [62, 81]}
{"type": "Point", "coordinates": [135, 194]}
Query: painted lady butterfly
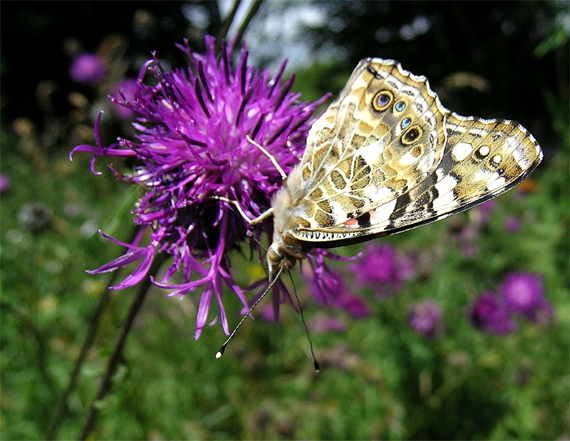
{"type": "Point", "coordinates": [387, 157]}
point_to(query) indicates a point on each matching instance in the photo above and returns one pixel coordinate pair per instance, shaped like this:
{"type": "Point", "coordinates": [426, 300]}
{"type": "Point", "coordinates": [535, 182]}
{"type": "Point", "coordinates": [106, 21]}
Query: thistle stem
{"type": "Point", "coordinates": [118, 349]}
{"type": "Point", "coordinates": [91, 333]}
{"type": "Point", "coordinates": [252, 11]}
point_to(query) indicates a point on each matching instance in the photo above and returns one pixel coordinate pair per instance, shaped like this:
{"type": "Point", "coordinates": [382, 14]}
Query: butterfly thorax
{"type": "Point", "coordinates": [288, 209]}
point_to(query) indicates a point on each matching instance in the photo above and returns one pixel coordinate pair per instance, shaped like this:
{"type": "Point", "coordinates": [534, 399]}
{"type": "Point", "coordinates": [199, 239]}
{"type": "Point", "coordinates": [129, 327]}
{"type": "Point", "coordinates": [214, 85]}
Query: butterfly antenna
{"type": "Point", "coordinates": [223, 348]}
{"type": "Point", "coordinates": [270, 156]}
{"type": "Point", "coordinates": [315, 362]}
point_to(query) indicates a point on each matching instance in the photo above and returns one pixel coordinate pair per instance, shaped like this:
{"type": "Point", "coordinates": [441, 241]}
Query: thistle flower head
{"type": "Point", "coordinates": [489, 314]}
{"type": "Point", "coordinates": [381, 268]}
{"type": "Point", "coordinates": [523, 294]}
{"type": "Point", "coordinates": [193, 156]}
{"type": "Point", "coordinates": [87, 68]}
{"type": "Point", "coordinates": [328, 288]}
{"type": "Point", "coordinates": [425, 318]}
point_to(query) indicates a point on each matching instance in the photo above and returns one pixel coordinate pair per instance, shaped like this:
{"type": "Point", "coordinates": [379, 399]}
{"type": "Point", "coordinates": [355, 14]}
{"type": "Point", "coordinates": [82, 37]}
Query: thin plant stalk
{"type": "Point", "coordinates": [118, 349]}
{"type": "Point", "coordinates": [226, 23]}
{"type": "Point", "coordinates": [89, 339]}
{"type": "Point", "coordinates": [252, 11]}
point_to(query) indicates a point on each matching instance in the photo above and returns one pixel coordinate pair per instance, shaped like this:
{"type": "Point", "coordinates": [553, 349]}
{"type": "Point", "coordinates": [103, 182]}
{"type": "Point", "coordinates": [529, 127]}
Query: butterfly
{"type": "Point", "coordinates": [387, 157]}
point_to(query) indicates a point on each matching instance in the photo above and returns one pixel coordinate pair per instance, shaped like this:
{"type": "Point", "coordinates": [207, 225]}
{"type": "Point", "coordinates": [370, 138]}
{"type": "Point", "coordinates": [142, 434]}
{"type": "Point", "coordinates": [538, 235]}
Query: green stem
{"type": "Point", "coordinates": [91, 333]}
{"type": "Point", "coordinates": [118, 349]}
{"type": "Point", "coordinates": [226, 23]}
{"type": "Point", "coordinates": [252, 11]}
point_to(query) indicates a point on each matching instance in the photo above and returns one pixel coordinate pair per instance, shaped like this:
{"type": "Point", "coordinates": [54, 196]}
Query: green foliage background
{"type": "Point", "coordinates": [378, 380]}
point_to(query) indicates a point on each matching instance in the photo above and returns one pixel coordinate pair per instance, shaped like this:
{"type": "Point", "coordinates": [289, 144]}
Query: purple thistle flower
{"type": "Point", "coordinates": [425, 318]}
{"type": "Point", "coordinates": [382, 269]}
{"type": "Point", "coordinates": [489, 314]}
{"type": "Point", "coordinates": [482, 213]}
{"type": "Point", "coordinates": [5, 183]}
{"type": "Point", "coordinates": [322, 323]}
{"type": "Point", "coordinates": [523, 294]}
{"type": "Point", "coordinates": [357, 307]}
{"type": "Point", "coordinates": [328, 288]}
{"type": "Point", "coordinates": [87, 69]}
{"type": "Point", "coordinates": [512, 224]}
{"type": "Point", "coordinates": [192, 149]}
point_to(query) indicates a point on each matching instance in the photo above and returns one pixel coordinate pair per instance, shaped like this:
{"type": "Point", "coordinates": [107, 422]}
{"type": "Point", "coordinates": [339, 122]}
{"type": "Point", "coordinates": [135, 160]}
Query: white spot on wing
{"type": "Point", "coordinates": [481, 175]}
{"type": "Point", "coordinates": [408, 159]}
{"type": "Point", "coordinates": [446, 196]}
{"type": "Point", "coordinates": [446, 185]}
{"type": "Point", "coordinates": [522, 159]}
{"type": "Point", "coordinates": [443, 202]}
{"type": "Point", "coordinates": [495, 182]}
{"type": "Point", "coordinates": [479, 132]}
{"type": "Point", "coordinates": [371, 152]}
{"type": "Point", "coordinates": [511, 143]}
{"type": "Point", "coordinates": [382, 213]}
{"type": "Point", "coordinates": [461, 151]}
{"type": "Point", "coordinates": [427, 162]}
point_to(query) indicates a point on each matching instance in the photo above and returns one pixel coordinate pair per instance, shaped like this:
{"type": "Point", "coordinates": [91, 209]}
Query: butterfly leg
{"type": "Point", "coordinates": [258, 219]}
{"type": "Point", "coordinates": [271, 158]}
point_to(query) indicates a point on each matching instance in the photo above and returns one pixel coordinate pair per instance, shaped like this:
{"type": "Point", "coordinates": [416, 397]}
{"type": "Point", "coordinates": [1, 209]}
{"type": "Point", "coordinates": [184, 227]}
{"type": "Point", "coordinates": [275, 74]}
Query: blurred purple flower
{"type": "Point", "coordinates": [489, 314]}
{"type": "Point", "coordinates": [523, 294]}
{"type": "Point", "coordinates": [482, 213]}
{"type": "Point", "coordinates": [425, 318]}
{"type": "Point", "coordinates": [467, 238]}
{"type": "Point", "coordinates": [5, 183]}
{"type": "Point", "coordinates": [357, 307]}
{"type": "Point", "coordinates": [512, 224]}
{"type": "Point", "coordinates": [125, 92]}
{"type": "Point", "coordinates": [87, 69]}
{"type": "Point", "coordinates": [468, 250]}
{"type": "Point", "coordinates": [329, 289]}
{"type": "Point", "coordinates": [382, 269]}
{"type": "Point", "coordinates": [192, 148]}
{"type": "Point", "coordinates": [322, 323]}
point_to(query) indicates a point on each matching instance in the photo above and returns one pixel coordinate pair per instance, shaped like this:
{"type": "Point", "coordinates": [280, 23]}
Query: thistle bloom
{"type": "Point", "coordinates": [512, 224]}
{"type": "Point", "coordinates": [5, 183]}
{"type": "Point", "coordinates": [489, 314]}
{"type": "Point", "coordinates": [329, 289]}
{"type": "Point", "coordinates": [322, 323]}
{"type": "Point", "coordinates": [482, 213]}
{"type": "Point", "coordinates": [192, 149]}
{"type": "Point", "coordinates": [425, 318]}
{"type": "Point", "coordinates": [87, 69]}
{"type": "Point", "coordinates": [382, 269]}
{"type": "Point", "coordinates": [523, 294]}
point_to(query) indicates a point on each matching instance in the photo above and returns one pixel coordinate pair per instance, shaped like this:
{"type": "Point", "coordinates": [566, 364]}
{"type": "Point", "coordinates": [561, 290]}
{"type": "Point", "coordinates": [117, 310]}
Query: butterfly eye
{"type": "Point", "coordinates": [405, 122]}
{"type": "Point", "coordinates": [399, 106]}
{"type": "Point", "coordinates": [411, 135]}
{"type": "Point", "coordinates": [382, 100]}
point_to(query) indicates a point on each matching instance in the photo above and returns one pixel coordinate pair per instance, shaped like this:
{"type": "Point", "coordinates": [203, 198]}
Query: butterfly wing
{"type": "Point", "coordinates": [380, 138]}
{"type": "Point", "coordinates": [463, 162]}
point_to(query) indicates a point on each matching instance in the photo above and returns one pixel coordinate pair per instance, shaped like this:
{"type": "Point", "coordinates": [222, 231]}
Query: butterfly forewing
{"type": "Point", "coordinates": [382, 137]}
{"type": "Point", "coordinates": [387, 156]}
